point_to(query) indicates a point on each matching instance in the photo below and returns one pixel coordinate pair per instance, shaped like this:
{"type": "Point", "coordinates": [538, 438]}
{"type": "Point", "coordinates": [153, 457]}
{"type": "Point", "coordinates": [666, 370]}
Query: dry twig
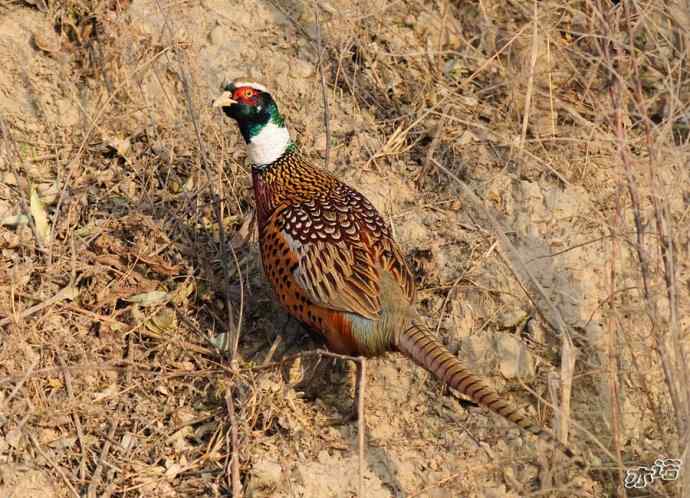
{"type": "Point", "coordinates": [326, 112]}
{"type": "Point", "coordinates": [234, 467]}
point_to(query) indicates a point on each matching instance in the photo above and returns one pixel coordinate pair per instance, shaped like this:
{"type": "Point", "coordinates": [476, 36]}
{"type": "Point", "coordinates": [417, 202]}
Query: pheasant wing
{"type": "Point", "coordinates": [340, 277]}
{"type": "Point", "coordinates": [342, 245]}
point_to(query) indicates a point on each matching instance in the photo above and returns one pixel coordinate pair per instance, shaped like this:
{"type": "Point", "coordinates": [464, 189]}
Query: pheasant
{"type": "Point", "coordinates": [331, 258]}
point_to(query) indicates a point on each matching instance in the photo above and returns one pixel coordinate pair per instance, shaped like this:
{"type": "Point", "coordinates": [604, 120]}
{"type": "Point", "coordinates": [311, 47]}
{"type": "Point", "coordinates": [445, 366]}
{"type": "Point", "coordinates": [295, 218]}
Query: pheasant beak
{"type": "Point", "coordinates": [225, 100]}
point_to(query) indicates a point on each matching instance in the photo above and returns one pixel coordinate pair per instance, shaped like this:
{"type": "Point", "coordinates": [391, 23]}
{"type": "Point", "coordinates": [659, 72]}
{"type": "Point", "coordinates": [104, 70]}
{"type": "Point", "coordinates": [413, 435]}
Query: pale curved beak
{"type": "Point", "coordinates": [225, 100]}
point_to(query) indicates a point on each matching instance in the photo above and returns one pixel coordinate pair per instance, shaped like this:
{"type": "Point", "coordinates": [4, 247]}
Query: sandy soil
{"type": "Point", "coordinates": [113, 302]}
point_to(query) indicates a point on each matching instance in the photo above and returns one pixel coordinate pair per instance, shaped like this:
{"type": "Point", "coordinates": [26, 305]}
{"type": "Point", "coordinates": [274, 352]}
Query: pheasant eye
{"type": "Point", "coordinates": [245, 94]}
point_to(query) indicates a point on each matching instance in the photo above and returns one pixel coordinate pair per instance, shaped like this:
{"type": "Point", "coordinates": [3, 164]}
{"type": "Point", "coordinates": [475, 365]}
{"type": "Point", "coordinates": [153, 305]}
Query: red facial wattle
{"type": "Point", "coordinates": [245, 95]}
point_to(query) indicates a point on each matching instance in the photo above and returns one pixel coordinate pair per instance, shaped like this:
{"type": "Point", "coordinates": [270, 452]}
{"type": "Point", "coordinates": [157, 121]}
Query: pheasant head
{"type": "Point", "coordinates": [261, 124]}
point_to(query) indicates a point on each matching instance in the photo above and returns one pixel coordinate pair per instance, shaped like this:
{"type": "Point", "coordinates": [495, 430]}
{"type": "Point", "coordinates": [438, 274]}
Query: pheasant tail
{"type": "Point", "coordinates": [425, 350]}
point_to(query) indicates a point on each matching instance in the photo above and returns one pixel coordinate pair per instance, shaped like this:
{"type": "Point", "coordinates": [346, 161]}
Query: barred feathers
{"type": "Point", "coordinates": [425, 350]}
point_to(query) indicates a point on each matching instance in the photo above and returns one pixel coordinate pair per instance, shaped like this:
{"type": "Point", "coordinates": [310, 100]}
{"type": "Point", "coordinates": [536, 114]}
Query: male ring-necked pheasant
{"type": "Point", "coordinates": [331, 258]}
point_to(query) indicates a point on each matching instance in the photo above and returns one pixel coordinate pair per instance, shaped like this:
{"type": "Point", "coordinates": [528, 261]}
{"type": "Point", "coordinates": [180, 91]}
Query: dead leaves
{"type": "Point", "coordinates": [40, 216]}
{"type": "Point", "coordinates": [247, 233]}
{"type": "Point", "coordinates": [131, 263]}
{"type": "Point", "coordinates": [143, 248]}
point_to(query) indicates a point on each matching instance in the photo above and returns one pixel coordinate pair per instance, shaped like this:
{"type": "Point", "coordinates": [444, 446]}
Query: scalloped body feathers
{"type": "Point", "coordinates": [330, 257]}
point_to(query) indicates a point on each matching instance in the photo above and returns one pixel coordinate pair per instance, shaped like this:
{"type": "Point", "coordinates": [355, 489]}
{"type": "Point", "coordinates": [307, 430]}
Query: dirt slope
{"type": "Point", "coordinates": [112, 311]}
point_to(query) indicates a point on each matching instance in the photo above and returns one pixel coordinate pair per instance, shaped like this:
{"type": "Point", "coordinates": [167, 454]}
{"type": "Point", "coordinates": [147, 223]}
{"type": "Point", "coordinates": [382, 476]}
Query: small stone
{"type": "Point", "coordinates": [323, 456]}
{"type": "Point", "coordinates": [412, 232]}
{"type": "Point", "coordinates": [47, 41]}
{"type": "Point", "coordinates": [510, 319]}
{"type": "Point", "coordinates": [477, 353]}
{"type": "Point", "coordinates": [320, 143]}
{"type": "Point", "coordinates": [13, 437]}
{"type": "Point", "coordinates": [328, 7]}
{"type": "Point", "coordinates": [264, 478]}
{"type": "Point", "coordinates": [8, 239]}
{"type": "Point", "coordinates": [515, 361]}
{"type": "Point", "coordinates": [8, 178]}
{"type": "Point", "coordinates": [23, 481]}
{"type": "Point", "coordinates": [218, 35]}
{"type": "Point", "coordinates": [466, 138]}
{"type": "Point", "coordinates": [300, 68]}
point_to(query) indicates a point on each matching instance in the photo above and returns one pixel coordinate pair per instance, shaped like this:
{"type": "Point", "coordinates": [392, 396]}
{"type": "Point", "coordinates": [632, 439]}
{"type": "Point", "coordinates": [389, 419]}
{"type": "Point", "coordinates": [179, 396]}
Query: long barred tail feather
{"type": "Point", "coordinates": [425, 350]}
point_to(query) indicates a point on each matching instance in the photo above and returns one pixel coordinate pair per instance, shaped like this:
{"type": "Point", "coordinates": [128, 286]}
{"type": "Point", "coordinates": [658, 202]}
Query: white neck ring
{"type": "Point", "coordinates": [269, 144]}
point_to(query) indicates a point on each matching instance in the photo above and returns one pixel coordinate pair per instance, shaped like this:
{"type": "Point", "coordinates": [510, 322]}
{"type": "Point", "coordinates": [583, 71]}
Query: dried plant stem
{"type": "Point", "coordinates": [664, 233]}
{"type": "Point", "coordinates": [54, 465]}
{"type": "Point", "coordinates": [568, 357]}
{"type": "Point", "coordinates": [66, 293]}
{"type": "Point", "coordinates": [20, 383]}
{"type": "Point", "coordinates": [96, 478]}
{"type": "Point", "coordinates": [183, 73]}
{"type": "Point", "coordinates": [326, 112]}
{"type": "Point", "coordinates": [669, 366]}
{"type": "Point", "coordinates": [546, 309]}
{"type": "Point", "coordinates": [666, 336]}
{"type": "Point", "coordinates": [530, 79]}
{"type": "Point", "coordinates": [544, 306]}
{"type": "Point", "coordinates": [436, 484]}
{"type": "Point", "coordinates": [75, 417]}
{"type": "Point", "coordinates": [440, 127]}
{"type": "Point", "coordinates": [581, 429]}
{"type": "Point", "coordinates": [235, 443]}
{"type": "Point", "coordinates": [361, 422]}
{"type": "Point", "coordinates": [613, 355]}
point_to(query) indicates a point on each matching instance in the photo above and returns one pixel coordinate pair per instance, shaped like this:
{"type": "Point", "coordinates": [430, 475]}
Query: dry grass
{"type": "Point", "coordinates": [120, 313]}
